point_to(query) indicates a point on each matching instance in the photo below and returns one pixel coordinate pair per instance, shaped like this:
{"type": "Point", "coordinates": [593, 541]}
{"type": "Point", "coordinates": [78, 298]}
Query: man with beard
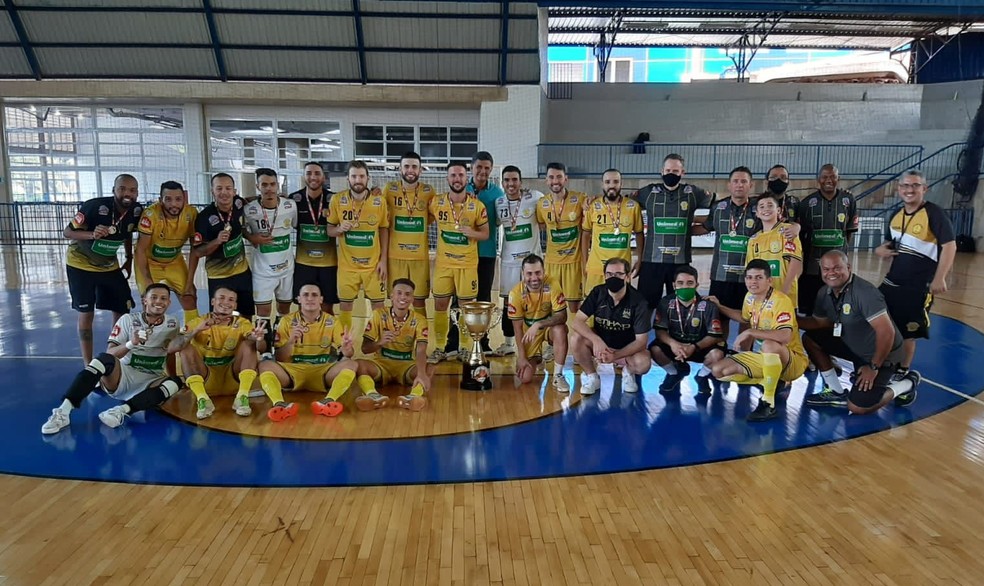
{"type": "Point", "coordinates": [829, 218]}
{"type": "Point", "coordinates": [670, 208]}
{"type": "Point", "coordinates": [560, 213]}
{"type": "Point", "coordinates": [165, 227]}
{"type": "Point", "coordinates": [317, 259]}
{"type": "Point", "coordinates": [132, 367]}
{"type": "Point", "coordinates": [95, 278]}
{"type": "Point", "coordinates": [538, 312]}
{"type": "Point", "coordinates": [609, 222]}
{"type": "Point", "coordinates": [360, 221]}
{"type": "Point", "coordinates": [219, 240]}
{"type": "Point", "coordinates": [409, 253]}
{"type": "Point", "coordinates": [462, 222]}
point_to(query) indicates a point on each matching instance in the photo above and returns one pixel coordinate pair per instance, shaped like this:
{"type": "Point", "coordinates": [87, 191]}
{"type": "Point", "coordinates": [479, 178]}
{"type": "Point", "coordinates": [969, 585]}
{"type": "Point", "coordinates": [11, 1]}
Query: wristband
{"type": "Point", "coordinates": [129, 345]}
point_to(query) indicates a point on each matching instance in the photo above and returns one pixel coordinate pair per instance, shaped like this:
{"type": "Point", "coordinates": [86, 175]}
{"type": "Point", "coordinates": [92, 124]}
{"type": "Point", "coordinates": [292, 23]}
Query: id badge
{"type": "Point", "coordinates": [837, 330]}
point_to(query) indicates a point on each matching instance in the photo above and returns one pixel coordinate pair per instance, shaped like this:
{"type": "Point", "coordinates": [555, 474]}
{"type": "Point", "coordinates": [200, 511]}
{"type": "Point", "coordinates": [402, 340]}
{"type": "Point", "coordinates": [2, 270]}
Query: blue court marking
{"type": "Point", "coordinates": [609, 432]}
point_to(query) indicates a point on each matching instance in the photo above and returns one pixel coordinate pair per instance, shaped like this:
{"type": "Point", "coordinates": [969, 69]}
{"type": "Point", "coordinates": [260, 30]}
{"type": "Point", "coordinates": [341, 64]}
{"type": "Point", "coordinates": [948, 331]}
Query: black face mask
{"type": "Point", "coordinates": [615, 284]}
{"type": "Point", "coordinates": [778, 186]}
{"type": "Point", "coordinates": [671, 180]}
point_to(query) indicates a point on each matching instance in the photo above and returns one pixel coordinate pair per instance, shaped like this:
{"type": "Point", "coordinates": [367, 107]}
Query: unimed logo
{"type": "Point", "coordinates": [403, 224]}
{"type": "Point", "coordinates": [359, 238]}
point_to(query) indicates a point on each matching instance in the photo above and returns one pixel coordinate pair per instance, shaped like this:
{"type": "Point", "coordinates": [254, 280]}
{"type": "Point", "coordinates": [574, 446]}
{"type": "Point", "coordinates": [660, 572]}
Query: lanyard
{"type": "Point", "coordinates": [563, 204]}
{"type": "Point", "coordinates": [406, 201]}
{"type": "Point", "coordinates": [616, 219]}
{"type": "Point", "coordinates": [270, 225]}
{"type": "Point", "coordinates": [905, 224]}
{"type": "Point", "coordinates": [228, 221]}
{"type": "Point", "coordinates": [356, 214]}
{"type": "Point", "coordinates": [684, 323]}
{"type": "Point", "coordinates": [398, 325]}
{"type": "Point", "coordinates": [735, 223]}
{"type": "Point", "coordinates": [757, 312]}
{"type": "Point", "coordinates": [456, 215]}
{"type": "Point", "coordinates": [513, 214]}
{"type": "Point", "coordinates": [315, 216]}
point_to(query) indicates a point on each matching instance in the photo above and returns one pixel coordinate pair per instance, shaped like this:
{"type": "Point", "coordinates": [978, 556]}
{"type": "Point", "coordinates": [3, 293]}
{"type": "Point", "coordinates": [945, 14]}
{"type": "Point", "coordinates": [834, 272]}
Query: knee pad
{"type": "Point", "coordinates": [170, 387]}
{"type": "Point", "coordinates": [103, 364]}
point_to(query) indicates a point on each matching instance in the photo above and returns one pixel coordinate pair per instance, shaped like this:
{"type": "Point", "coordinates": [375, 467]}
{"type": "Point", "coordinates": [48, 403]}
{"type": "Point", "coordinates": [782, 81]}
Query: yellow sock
{"type": "Point", "coordinates": [271, 386]}
{"type": "Point", "coordinates": [246, 378]}
{"type": "Point", "coordinates": [366, 384]}
{"type": "Point", "coordinates": [421, 311]}
{"type": "Point", "coordinates": [417, 390]}
{"type": "Point", "coordinates": [196, 383]}
{"type": "Point", "coordinates": [771, 371]}
{"type": "Point", "coordinates": [341, 384]}
{"type": "Point", "coordinates": [345, 316]}
{"type": "Point", "coordinates": [190, 314]}
{"type": "Point", "coordinates": [441, 326]}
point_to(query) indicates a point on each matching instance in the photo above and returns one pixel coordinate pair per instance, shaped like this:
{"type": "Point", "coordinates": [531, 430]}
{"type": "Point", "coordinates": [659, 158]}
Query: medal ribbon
{"type": "Point", "coordinates": [757, 310]}
{"type": "Point", "coordinates": [616, 219]}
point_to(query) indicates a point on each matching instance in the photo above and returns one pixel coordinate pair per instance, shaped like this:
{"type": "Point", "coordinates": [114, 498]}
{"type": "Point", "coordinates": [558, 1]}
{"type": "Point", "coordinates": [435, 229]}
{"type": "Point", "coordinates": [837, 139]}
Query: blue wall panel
{"type": "Point", "coordinates": [960, 59]}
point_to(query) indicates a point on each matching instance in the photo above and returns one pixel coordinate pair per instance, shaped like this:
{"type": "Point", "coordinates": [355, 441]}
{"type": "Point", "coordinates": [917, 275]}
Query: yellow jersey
{"type": "Point", "coordinates": [321, 342]}
{"type": "Point", "coordinates": [611, 226]}
{"type": "Point", "coordinates": [359, 248]}
{"type": "Point", "coordinates": [776, 250]}
{"type": "Point", "coordinates": [218, 343]}
{"type": "Point", "coordinates": [167, 235]}
{"type": "Point", "coordinates": [775, 312]}
{"type": "Point", "coordinates": [454, 249]}
{"type": "Point", "coordinates": [410, 332]}
{"type": "Point", "coordinates": [408, 216]}
{"type": "Point", "coordinates": [531, 306]}
{"type": "Point", "coordinates": [563, 223]}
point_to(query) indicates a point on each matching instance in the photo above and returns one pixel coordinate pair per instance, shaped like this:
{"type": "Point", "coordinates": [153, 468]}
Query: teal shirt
{"type": "Point", "coordinates": [489, 248]}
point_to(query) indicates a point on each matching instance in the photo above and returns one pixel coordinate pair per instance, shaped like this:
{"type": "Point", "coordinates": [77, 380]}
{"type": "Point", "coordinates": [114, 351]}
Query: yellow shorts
{"type": "Point", "coordinates": [752, 363]}
{"type": "Point", "coordinates": [220, 381]}
{"type": "Point", "coordinates": [417, 271]}
{"type": "Point", "coordinates": [535, 348]}
{"type": "Point", "coordinates": [394, 370]}
{"type": "Point", "coordinates": [460, 282]}
{"type": "Point", "coordinates": [570, 278]}
{"type": "Point", "coordinates": [173, 274]}
{"type": "Point", "coordinates": [349, 283]}
{"type": "Point", "coordinates": [592, 280]}
{"type": "Point", "coordinates": [307, 377]}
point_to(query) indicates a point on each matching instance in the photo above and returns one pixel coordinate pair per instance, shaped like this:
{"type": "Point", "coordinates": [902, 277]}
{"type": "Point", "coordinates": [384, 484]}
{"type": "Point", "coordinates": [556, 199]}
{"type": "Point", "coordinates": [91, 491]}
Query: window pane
{"type": "Point", "coordinates": [369, 149]}
{"type": "Point", "coordinates": [396, 149]}
{"type": "Point", "coordinates": [464, 134]}
{"type": "Point", "coordinates": [434, 151]}
{"type": "Point", "coordinates": [368, 133]}
{"type": "Point", "coordinates": [400, 133]}
{"type": "Point", "coordinates": [463, 151]}
{"type": "Point", "coordinates": [433, 134]}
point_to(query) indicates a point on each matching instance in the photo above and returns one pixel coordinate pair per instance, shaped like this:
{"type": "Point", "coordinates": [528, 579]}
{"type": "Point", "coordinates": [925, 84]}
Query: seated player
{"type": "Point", "coordinates": [620, 330]}
{"type": "Point", "coordinates": [222, 357]}
{"type": "Point", "coordinates": [538, 311]}
{"type": "Point", "coordinates": [688, 329]}
{"type": "Point", "coordinates": [132, 367]}
{"type": "Point", "coordinates": [771, 317]}
{"type": "Point", "coordinates": [313, 353]}
{"type": "Point", "coordinates": [398, 337]}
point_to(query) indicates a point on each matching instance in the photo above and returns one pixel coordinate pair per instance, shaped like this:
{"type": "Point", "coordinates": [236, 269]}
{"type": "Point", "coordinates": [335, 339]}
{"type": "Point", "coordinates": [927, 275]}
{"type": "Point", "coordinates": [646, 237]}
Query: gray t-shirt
{"type": "Point", "coordinates": [859, 303]}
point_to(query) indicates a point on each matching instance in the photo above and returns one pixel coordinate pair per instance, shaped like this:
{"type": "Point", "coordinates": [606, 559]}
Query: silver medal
{"type": "Point", "coordinates": [112, 230]}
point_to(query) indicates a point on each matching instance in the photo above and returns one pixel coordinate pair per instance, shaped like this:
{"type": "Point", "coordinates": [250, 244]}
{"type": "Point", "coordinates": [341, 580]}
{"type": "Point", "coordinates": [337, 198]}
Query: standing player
{"type": "Point", "coordinates": [398, 338]}
{"type": "Point", "coordinates": [317, 259]}
{"type": "Point", "coordinates": [538, 311]}
{"type": "Point", "coordinates": [785, 256]}
{"type": "Point", "coordinates": [409, 252]}
{"type": "Point", "coordinates": [777, 182]}
{"type": "Point", "coordinates": [462, 223]}
{"type": "Point", "coordinates": [219, 240]}
{"type": "Point", "coordinates": [360, 221]}
{"type": "Point", "coordinates": [561, 213]}
{"type": "Point", "coordinates": [670, 208]}
{"type": "Point", "coordinates": [516, 213]}
{"type": "Point", "coordinates": [95, 278]}
{"type": "Point", "coordinates": [609, 222]}
{"type": "Point", "coordinates": [313, 353]}
{"type": "Point", "coordinates": [270, 220]}
{"type": "Point", "coordinates": [165, 227]}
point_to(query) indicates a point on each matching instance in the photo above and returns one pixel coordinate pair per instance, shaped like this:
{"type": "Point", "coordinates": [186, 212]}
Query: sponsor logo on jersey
{"type": "Point", "coordinates": [783, 318]}
{"type": "Point", "coordinates": [145, 222]}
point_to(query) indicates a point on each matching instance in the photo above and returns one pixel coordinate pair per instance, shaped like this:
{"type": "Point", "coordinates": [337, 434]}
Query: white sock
{"type": "Point", "coordinates": [900, 387]}
{"type": "Point", "coordinates": [586, 376]}
{"type": "Point", "coordinates": [126, 408]}
{"type": "Point", "coordinates": [558, 369]}
{"type": "Point", "coordinates": [510, 340]}
{"type": "Point", "coordinates": [830, 377]}
{"type": "Point", "coordinates": [670, 368]}
{"type": "Point", "coordinates": [704, 371]}
{"type": "Point", "coordinates": [66, 406]}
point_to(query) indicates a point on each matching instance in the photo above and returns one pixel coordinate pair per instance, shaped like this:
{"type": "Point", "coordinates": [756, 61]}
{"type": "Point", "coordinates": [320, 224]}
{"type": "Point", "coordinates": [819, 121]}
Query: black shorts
{"type": "Point", "coordinates": [835, 346]}
{"type": "Point", "coordinates": [653, 278]}
{"type": "Point", "coordinates": [93, 290]}
{"type": "Point", "coordinates": [809, 286]}
{"type": "Point", "coordinates": [699, 355]}
{"type": "Point", "coordinates": [324, 277]}
{"type": "Point", "coordinates": [909, 308]}
{"type": "Point", "coordinates": [242, 284]}
{"type": "Point", "coordinates": [729, 294]}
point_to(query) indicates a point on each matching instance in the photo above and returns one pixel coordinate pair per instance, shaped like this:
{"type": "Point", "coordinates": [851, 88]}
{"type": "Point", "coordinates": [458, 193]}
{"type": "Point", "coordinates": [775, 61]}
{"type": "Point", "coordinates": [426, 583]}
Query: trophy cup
{"type": "Point", "coordinates": [477, 317]}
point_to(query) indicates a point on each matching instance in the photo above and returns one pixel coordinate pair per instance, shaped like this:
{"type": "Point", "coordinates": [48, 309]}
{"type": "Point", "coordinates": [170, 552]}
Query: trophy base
{"type": "Point", "coordinates": [476, 377]}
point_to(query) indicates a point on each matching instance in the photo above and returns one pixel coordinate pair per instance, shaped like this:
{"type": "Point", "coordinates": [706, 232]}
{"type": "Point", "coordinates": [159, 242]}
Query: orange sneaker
{"type": "Point", "coordinates": [327, 407]}
{"type": "Point", "coordinates": [282, 411]}
{"type": "Point", "coordinates": [371, 401]}
{"type": "Point", "coordinates": [412, 402]}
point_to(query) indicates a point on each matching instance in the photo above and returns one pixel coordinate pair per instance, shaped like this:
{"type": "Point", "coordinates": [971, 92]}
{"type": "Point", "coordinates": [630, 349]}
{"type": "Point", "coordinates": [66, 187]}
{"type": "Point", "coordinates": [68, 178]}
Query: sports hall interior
{"type": "Point", "coordinates": [520, 484]}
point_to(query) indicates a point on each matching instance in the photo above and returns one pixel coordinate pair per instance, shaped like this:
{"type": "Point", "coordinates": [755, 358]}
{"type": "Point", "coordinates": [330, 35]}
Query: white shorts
{"type": "Point", "coordinates": [268, 288]}
{"type": "Point", "coordinates": [509, 276]}
{"type": "Point", "coordinates": [132, 381]}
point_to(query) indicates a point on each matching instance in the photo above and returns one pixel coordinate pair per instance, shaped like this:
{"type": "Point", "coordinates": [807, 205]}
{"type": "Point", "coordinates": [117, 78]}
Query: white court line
{"type": "Point", "coordinates": [79, 358]}
{"type": "Point", "coordinates": [954, 391]}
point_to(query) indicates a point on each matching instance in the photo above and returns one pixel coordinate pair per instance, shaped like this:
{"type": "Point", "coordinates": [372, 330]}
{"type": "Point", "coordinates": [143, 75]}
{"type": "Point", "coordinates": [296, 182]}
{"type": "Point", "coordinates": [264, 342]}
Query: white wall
{"type": "Point", "coordinates": [510, 130]}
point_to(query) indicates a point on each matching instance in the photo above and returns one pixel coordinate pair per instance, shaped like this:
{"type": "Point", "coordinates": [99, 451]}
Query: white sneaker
{"type": "Point", "coordinates": [561, 385]}
{"type": "Point", "coordinates": [590, 383]}
{"type": "Point", "coordinates": [57, 422]}
{"type": "Point", "coordinates": [629, 384]}
{"type": "Point", "coordinates": [241, 406]}
{"type": "Point", "coordinates": [436, 356]}
{"type": "Point", "coordinates": [113, 417]}
{"type": "Point", "coordinates": [205, 408]}
{"type": "Point", "coordinates": [505, 349]}
{"type": "Point", "coordinates": [548, 353]}
{"type": "Point", "coordinates": [266, 356]}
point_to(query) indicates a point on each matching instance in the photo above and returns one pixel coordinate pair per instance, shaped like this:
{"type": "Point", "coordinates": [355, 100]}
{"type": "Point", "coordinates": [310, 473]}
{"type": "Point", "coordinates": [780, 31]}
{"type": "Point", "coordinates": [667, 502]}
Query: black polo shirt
{"type": "Point", "coordinates": [230, 258]}
{"type": "Point", "coordinates": [827, 225]}
{"type": "Point", "coordinates": [688, 325]}
{"type": "Point", "coordinates": [858, 304]}
{"type": "Point", "coordinates": [669, 214]}
{"type": "Point", "coordinates": [618, 324]}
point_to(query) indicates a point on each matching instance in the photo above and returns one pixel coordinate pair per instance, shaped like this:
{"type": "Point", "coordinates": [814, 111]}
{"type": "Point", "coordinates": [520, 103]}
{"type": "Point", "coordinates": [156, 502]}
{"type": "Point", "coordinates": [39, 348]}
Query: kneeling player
{"type": "Point", "coordinates": [132, 367]}
{"type": "Point", "coordinates": [771, 317]}
{"type": "Point", "coordinates": [313, 353]}
{"type": "Point", "coordinates": [538, 309]}
{"type": "Point", "coordinates": [222, 357]}
{"type": "Point", "coordinates": [398, 337]}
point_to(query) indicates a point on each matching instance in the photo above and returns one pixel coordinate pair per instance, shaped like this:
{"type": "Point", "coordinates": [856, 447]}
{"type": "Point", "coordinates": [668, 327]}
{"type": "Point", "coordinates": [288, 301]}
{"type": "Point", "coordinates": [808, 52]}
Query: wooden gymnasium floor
{"type": "Point", "coordinates": [515, 486]}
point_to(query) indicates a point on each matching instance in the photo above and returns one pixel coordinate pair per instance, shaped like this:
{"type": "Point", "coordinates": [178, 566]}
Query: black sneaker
{"type": "Point", "coordinates": [763, 412]}
{"type": "Point", "coordinates": [899, 375]}
{"type": "Point", "coordinates": [908, 398]}
{"type": "Point", "coordinates": [671, 383]}
{"type": "Point", "coordinates": [703, 384]}
{"type": "Point", "coordinates": [827, 398]}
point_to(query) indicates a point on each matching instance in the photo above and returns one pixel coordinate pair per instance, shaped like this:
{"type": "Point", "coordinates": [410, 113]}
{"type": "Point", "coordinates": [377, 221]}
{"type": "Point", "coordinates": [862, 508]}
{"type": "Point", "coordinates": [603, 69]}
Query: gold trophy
{"type": "Point", "coordinates": [477, 317]}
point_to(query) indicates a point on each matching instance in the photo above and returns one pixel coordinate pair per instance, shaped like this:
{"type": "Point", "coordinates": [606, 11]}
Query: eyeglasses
{"type": "Point", "coordinates": [616, 275]}
{"type": "Point", "coordinates": [911, 185]}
